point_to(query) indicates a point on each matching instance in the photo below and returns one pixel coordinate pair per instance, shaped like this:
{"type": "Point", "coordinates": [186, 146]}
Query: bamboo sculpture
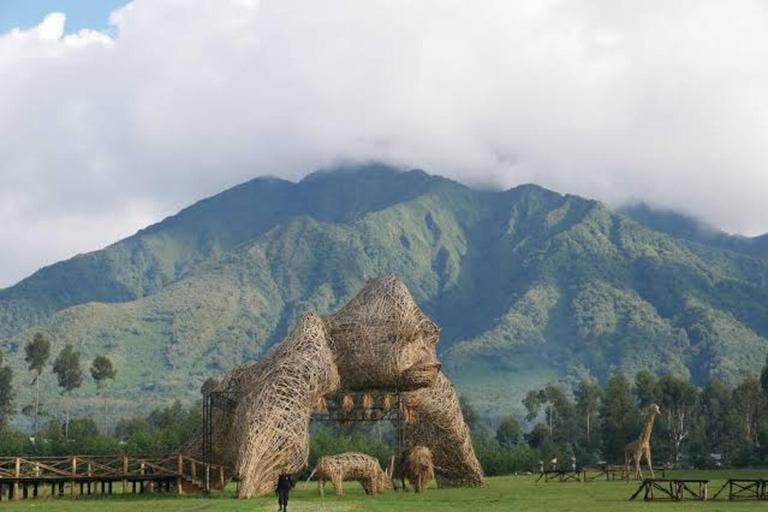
{"type": "Point", "coordinates": [379, 342]}
{"type": "Point", "coordinates": [640, 448]}
{"type": "Point", "coordinates": [351, 466]}
{"type": "Point", "coordinates": [419, 468]}
{"type": "Point", "coordinates": [437, 423]}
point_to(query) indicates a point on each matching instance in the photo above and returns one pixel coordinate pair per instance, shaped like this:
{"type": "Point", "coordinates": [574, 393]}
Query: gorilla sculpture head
{"type": "Point", "coordinates": [382, 340]}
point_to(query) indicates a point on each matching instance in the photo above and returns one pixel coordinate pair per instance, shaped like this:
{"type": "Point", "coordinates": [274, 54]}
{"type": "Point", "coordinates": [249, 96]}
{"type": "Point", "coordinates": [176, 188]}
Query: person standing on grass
{"type": "Point", "coordinates": [284, 484]}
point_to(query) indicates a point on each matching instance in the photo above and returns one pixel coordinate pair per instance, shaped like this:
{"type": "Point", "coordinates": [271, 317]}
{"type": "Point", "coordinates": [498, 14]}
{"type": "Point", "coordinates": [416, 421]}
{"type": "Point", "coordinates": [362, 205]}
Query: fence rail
{"type": "Point", "coordinates": [24, 477]}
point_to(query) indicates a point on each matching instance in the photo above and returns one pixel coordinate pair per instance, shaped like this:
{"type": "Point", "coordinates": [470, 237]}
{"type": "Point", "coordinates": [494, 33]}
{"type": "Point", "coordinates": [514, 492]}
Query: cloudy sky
{"type": "Point", "coordinates": [111, 120]}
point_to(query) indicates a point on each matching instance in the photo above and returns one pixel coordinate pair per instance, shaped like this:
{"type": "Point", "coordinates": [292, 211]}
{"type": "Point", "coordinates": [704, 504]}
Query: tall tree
{"type": "Point", "coordinates": [508, 434]}
{"type": "Point", "coordinates": [559, 412]}
{"type": "Point", "coordinates": [588, 395]}
{"type": "Point", "coordinates": [70, 376]}
{"type": "Point", "coordinates": [645, 389]}
{"type": "Point", "coordinates": [619, 416]}
{"type": "Point", "coordinates": [678, 400]}
{"type": "Point", "coordinates": [764, 376]}
{"type": "Point", "coordinates": [6, 393]}
{"type": "Point", "coordinates": [37, 353]}
{"type": "Point", "coordinates": [102, 370]}
{"type": "Point", "coordinates": [715, 407]}
{"type": "Point", "coordinates": [749, 405]}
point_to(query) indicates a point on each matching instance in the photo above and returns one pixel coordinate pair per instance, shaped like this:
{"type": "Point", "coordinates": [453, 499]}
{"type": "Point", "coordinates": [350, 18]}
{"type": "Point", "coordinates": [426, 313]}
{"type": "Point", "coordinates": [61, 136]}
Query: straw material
{"type": "Point", "coordinates": [347, 403]}
{"type": "Point", "coordinates": [351, 466]}
{"type": "Point", "coordinates": [440, 427]}
{"type": "Point", "coordinates": [387, 402]}
{"type": "Point", "coordinates": [419, 468]}
{"type": "Point", "coordinates": [275, 399]}
{"type": "Point", "coordinates": [382, 340]}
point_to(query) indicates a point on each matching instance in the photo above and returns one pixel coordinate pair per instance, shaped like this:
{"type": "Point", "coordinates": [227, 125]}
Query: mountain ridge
{"type": "Point", "coordinates": [528, 286]}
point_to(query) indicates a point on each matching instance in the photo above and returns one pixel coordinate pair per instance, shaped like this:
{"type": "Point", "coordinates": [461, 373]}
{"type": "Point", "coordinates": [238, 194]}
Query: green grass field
{"type": "Point", "coordinates": [501, 494]}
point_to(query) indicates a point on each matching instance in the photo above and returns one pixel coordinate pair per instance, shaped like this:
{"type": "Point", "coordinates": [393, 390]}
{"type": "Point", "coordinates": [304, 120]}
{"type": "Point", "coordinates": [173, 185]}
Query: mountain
{"type": "Point", "coordinates": [689, 228]}
{"type": "Point", "coordinates": [528, 286]}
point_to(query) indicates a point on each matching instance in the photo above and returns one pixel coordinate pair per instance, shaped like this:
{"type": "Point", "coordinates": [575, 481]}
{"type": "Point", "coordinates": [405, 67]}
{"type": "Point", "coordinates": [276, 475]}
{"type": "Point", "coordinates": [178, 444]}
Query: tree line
{"type": "Point", "coordinates": [704, 427]}
{"type": "Point", "coordinates": [699, 427]}
{"type": "Point", "coordinates": [67, 366]}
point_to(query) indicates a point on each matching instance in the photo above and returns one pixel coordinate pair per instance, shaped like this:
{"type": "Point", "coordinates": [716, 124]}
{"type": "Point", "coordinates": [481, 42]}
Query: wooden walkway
{"type": "Point", "coordinates": [30, 477]}
{"type": "Point", "coordinates": [674, 489]}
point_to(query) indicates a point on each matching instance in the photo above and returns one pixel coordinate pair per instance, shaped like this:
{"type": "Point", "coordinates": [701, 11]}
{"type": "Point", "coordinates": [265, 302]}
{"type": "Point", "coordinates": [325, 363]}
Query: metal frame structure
{"type": "Point", "coordinates": [335, 413]}
{"type": "Point", "coordinates": [225, 402]}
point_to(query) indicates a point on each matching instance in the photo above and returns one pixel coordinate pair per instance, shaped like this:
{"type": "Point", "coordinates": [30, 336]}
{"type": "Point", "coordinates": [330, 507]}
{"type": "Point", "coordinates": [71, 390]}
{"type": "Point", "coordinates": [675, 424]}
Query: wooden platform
{"type": "Point", "coordinates": [745, 489]}
{"type": "Point", "coordinates": [30, 477]}
{"type": "Point", "coordinates": [673, 489]}
{"type": "Point", "coordinates": [618, 472]}
{"type": "Point", "coordinates": [561, 476]}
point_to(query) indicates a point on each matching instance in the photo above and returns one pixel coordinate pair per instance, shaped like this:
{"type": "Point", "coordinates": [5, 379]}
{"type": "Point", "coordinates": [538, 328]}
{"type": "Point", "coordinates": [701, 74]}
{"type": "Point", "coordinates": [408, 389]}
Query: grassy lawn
{"type": "Point", "coordinates": [502, 494]}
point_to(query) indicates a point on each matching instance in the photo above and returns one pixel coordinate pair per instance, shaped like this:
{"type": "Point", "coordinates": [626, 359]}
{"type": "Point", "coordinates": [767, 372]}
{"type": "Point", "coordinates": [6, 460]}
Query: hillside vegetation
{"type": "Point", "coordinates": [528, 286]}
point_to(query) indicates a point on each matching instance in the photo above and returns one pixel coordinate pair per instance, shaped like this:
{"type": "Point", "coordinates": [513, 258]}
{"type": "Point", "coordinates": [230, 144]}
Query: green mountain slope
{"type": "Point", "coordinates": [528, 286]}
{"type": "Point", "coordinates": [685, 227]}
{"type": "Point", "coordinates": [161, 254]}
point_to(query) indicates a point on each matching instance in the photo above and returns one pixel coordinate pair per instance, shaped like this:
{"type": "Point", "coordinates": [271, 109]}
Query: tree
{"type": "Point", "coordinates": [70, 376]}
{"type": "Point", "coordinates": [559, 411]}
{"type": "Point", "coordinates": [620, 417]}
{"type": "Point", "coordinates": [750, 408]}
{"type": "Point", "coordinates": [6, 393]}
{"type": "Point", "coordinates": [764, 376]}
{"type": "Point", "coordinates": [678, 400]}
{"type": "Point", "coordinates": [715, 408]}
{"type": "Point", "coordinates": [37, 352]}
{"type": "Point", "coordinates": [645, 389]}
{"type": "Point", "coordinates": [532, 403]}
{"type": "Point", "coordinates": [102, 370]}
{"type": "Point", "coordinates": [508, 434]}
{"type": "Point", "coordinates": [588, 395]}
{"type": "Point", "coordinates": [209, 385]}
{"type": "Point", "coordinates": [537, 436]}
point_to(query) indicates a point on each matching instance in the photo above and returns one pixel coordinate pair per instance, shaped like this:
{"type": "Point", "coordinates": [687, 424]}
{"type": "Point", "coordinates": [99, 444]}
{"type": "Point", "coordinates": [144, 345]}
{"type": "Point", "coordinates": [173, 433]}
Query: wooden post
{"type": "Point", "coordinates": [125, 474]}
{"type": "Point", "coordinates": [193, 467]}
{"type": "Point", "coordinates": [180, 471]}
{"type": "Point", "coordinates": [221, 477]}
{"type": "Point", "coordinates": [17, 474]}
{"type": "Point", "coordinates": [141, 472]}
{"type": "Point", "coordinates": [73, 489]}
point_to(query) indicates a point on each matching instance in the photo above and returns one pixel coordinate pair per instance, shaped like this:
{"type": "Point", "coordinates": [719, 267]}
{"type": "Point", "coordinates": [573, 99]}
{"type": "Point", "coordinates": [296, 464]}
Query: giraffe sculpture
{"type": "Point", "coordinates": [641, 447]}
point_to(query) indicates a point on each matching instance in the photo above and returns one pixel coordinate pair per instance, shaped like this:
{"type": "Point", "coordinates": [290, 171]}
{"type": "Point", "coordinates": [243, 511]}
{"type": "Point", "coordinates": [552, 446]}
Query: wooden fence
{"type": "Point", "coordinates": [29, 477]}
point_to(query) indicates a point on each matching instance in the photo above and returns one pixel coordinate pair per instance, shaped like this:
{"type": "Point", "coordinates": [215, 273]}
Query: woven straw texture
{"type": "Point", "coordinates": [351, 466]}
{"type": "Point", "coordinates": [378, 343]}
{"type": "Point", "coordinates": [434, 420]}
{"type": "Point", "coordinates": [419, 468]}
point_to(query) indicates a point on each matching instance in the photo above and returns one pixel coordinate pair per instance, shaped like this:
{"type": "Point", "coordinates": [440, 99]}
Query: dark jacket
{"type": "Point", "coordinates": [284, 483]}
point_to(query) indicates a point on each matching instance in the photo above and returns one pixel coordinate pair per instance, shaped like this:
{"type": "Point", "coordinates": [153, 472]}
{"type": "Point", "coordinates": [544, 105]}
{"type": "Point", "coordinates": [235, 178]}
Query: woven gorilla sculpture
{"type": "Point", "coordinates": [379, 341]}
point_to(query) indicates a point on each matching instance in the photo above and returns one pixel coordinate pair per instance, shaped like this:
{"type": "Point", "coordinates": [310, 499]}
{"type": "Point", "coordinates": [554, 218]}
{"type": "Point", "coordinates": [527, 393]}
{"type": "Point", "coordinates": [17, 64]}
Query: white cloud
{"type": "Point", "coordinates": [662, 101]}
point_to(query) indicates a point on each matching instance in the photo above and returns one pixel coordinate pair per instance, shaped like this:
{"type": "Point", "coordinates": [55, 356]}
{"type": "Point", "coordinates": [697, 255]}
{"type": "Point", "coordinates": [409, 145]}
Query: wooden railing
{"type": "Point", "coordinates": [145, 473]}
